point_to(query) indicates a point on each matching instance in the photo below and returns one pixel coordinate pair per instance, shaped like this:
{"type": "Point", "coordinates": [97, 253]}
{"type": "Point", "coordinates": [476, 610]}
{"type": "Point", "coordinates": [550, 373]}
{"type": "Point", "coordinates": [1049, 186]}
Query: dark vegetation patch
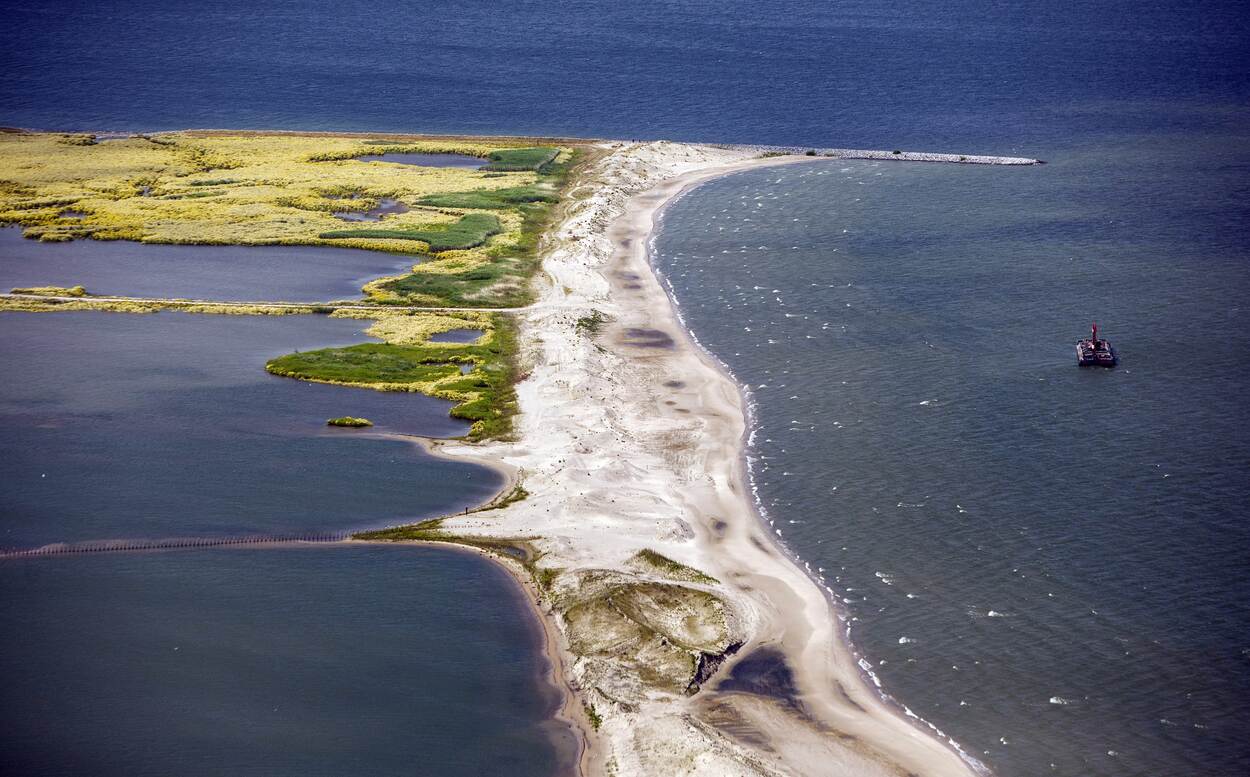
{"type": "Point", "coordinates": [469, 232]}
{"type": "Point", "coordinates": [593, 717]}
{"type": "Point", "coordinates": [490, 199]}
{"type": "Point", "coordinates": [706, 665]}
{"type": "Point", "coordinates": [212, 182]}
{"type": "Point", "coordinates": [349, 421]}
{"type": "Point", "coordinates": [429, 531]}
{"type": "Point", "coordinates": [507, 276]}
{"type": "Point", "coordinates": [590, 325]}
{"type": "Point", "coordinates": [364, 363]}
{"type": "Point", "coordinates": [519, 159]}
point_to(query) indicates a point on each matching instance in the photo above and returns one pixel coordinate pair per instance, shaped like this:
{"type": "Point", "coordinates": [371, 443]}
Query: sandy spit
{"type": "Point", "coordinates": [632, 438]}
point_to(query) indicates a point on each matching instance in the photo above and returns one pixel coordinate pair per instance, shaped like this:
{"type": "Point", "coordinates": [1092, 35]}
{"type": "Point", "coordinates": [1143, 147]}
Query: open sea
{"type": "Point", "coordinates": [1047, 563]}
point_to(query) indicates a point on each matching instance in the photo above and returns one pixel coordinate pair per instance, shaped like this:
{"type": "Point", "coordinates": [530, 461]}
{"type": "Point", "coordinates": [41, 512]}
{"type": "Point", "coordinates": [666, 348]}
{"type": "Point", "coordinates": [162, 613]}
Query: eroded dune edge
{"type": "Point", "coordinates": [688, 642]}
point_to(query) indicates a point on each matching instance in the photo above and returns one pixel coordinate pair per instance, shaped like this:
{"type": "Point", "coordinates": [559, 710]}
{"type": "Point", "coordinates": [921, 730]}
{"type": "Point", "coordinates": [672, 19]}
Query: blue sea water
{"type": "Point", "coordinates": [974, 75]}
{"type": "Point", "coordinates": [968, 286]}
{"type": "Point", "coordinates": [1046, 562]}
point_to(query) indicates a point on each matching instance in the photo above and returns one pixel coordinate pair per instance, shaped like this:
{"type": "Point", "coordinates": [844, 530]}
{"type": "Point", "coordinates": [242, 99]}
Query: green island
{"type": "Point", "coordinates": [350, 422]}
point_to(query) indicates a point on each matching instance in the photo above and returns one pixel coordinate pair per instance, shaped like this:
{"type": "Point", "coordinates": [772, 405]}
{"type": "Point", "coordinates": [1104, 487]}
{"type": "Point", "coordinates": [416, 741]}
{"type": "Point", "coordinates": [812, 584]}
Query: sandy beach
{"type": "Point", "coordinates": [631, 440]}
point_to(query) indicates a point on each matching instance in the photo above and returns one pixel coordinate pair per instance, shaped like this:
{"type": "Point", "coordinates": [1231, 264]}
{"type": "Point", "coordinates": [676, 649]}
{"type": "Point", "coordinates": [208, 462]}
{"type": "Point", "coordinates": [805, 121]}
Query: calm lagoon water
{"type": "Point", "coordinates": [327, 661]}
{"type": "Point", "coordinates": [118, 426]}
{"type": "Point", "coordinates": [232, 273]}
{"type": "Point", "coordinates": [1046, 562]}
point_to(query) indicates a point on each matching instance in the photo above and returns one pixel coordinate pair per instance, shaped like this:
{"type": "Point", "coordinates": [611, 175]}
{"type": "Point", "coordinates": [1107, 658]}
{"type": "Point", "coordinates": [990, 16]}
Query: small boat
{"type": "Point", "coordinates": [1095, 352]}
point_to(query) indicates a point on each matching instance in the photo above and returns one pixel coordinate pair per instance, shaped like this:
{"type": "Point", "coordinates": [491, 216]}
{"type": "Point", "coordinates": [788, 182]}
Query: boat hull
{"type": "Point", "coordinates": [1097, 359]}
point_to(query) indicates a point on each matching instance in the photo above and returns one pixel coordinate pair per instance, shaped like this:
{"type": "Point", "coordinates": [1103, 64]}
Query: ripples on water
{"type": "Point", "coordinates": [1046, 562]}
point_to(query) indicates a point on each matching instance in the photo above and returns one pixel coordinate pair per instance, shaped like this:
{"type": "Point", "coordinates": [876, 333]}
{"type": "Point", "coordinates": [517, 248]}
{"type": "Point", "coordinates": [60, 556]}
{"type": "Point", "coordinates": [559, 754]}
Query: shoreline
{"type": "Point", "coordinates": [614, 465]}
{"type": "Point", "coordinates": [748, 403]}
{"type": "Point", "coordinates": [685, 185]}
{"type": "Point", "coordinates": [634, 440]}
{"type": "Point", "coordinates": [569, 713]}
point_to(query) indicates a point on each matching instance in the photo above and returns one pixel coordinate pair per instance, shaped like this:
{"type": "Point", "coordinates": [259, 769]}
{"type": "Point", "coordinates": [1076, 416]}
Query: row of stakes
{"type": "Point", "coordinates": [108, 546]}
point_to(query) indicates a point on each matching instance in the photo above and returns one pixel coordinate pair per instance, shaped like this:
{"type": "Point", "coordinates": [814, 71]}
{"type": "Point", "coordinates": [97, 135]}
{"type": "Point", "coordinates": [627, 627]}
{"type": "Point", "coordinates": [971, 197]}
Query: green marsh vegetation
{"type": "Point", "coordinates": [518, 159]}
{"type": "Point", "coordinates": [491, 198]}
{"type": "Point", "coordinates": [350, 422]}
{"type": "Point", "coordinates": [499, 274]}
{"type": "Point", "coordinates": [471, 231]}
{"type": "Point", "coordinates": [474, 231]}
{"type": "Point", "coordinates": [590, 325]}
{"type": "Point", "coordinates": [484, 396]}
{"type": "Point", "coordinates": [476, 234]}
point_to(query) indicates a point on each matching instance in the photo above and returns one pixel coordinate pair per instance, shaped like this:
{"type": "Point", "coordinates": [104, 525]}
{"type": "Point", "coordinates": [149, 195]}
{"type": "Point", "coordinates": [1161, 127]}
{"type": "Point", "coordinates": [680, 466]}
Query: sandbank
{"type": "Point", "coordinates": [631, 438]}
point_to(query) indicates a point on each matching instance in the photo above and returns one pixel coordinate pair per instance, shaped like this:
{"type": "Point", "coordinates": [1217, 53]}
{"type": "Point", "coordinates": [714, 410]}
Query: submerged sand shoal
{"type": "Point", "coordinates": [631, 438]}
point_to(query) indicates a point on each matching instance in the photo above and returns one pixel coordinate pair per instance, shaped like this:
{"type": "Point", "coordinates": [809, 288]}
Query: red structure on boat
{"type": "Point", "coordinates": [1094, 352]}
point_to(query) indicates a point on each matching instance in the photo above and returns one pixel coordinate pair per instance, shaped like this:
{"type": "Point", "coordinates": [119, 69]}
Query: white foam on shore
{"type": "Point", "coordinates": [753, 427]}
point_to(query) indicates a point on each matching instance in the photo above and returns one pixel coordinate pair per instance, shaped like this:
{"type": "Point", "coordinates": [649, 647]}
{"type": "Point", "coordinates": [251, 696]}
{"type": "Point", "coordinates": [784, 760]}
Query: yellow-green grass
{"type": "Point", "coordinates": [53, 291]}
{"type": "Point", "coordinates": [514, 159]}
{"type": "Point", "coordinates": [471, 231]}
{"type": "Point", "coordinates": [248, 189]}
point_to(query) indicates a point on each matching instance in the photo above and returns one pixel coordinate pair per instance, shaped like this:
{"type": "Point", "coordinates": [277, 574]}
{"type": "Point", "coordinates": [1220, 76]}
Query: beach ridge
{"type": "Point", "coordinates": [630, 446]}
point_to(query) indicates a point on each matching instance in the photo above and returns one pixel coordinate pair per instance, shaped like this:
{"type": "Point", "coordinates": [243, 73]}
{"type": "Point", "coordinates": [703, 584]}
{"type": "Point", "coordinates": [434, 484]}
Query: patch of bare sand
{"type": "Point", "coordinates": [631, 440]}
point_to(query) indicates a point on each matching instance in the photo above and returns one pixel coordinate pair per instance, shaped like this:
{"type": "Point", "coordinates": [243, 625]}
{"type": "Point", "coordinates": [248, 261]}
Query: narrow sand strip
{"type": "Point", "coordinates": [632, 439]}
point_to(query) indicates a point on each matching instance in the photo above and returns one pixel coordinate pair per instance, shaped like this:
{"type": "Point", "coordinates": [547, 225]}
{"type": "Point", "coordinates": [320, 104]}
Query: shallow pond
{"type": "Point", "coordinates": [462, 336]}
{"type": "Point", "coordinates": [386, 207]}
{"type": "Point", "coordinates": [236, 273]}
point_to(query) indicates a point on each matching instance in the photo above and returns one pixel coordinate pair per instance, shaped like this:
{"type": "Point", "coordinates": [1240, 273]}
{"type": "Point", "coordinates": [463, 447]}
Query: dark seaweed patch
{"type": "Point", "coordinates": [763, 673]}
{"type": "Point", "coordinates": [648, 338]}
